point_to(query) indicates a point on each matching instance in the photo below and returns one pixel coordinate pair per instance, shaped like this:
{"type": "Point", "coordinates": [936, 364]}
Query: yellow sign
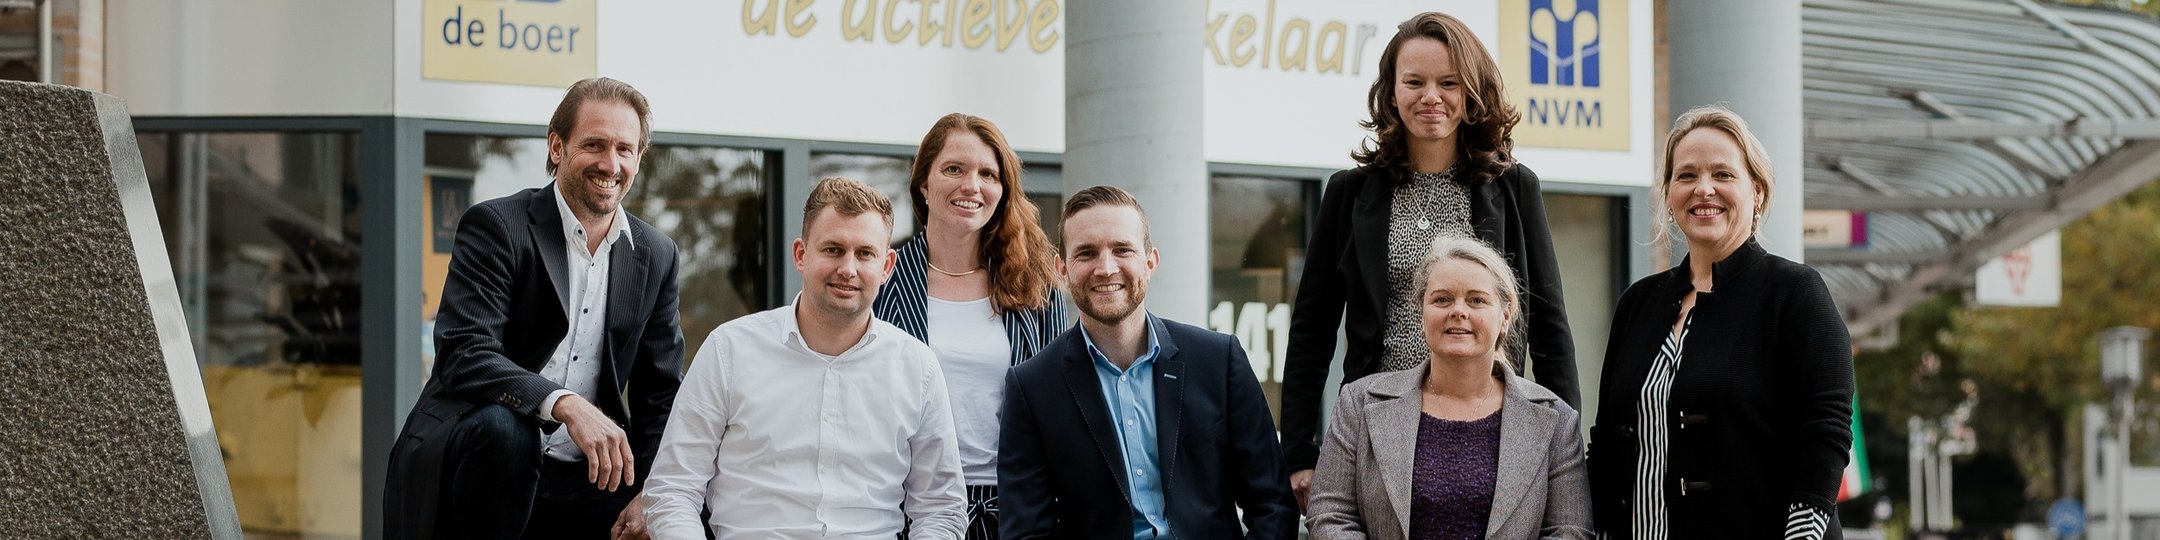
{"type": "Point", "coordinates": [1566, 67]}
{"type": "Point", "coordinates": [538, 42]}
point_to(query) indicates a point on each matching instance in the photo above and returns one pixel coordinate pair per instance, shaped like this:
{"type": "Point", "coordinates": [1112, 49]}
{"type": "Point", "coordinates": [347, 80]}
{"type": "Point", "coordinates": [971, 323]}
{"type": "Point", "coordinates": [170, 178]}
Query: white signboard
{"type": "Point", "coordinates": [1285, 81]}
{"type": "Point", "coordinates": [2029, 276]}
{"type": "Point", "coordinates": [1842, 229]}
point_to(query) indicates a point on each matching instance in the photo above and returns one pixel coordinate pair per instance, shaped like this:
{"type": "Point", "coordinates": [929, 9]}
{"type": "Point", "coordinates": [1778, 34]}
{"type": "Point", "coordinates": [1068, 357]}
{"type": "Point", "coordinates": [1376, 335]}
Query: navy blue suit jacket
{"type": "Point", "coordinates": [1061, 470]}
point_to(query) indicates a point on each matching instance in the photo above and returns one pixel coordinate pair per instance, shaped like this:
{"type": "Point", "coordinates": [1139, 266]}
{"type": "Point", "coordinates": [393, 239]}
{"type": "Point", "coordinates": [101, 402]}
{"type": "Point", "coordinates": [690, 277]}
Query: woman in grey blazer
{"type": "Point", "coordinates": [1459, 447]}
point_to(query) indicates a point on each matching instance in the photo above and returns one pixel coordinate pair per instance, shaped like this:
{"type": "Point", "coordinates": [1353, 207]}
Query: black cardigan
{"type": "Point", "coordinates": [1346, 272]}
{"type": "Point", "coordinates": [1762, 403]}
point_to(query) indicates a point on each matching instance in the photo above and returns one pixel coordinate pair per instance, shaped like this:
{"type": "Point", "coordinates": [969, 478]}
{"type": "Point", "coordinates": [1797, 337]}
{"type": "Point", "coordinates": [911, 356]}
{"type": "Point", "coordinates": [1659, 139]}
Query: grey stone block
{"type": "Point", "coordinates": [106, 429]}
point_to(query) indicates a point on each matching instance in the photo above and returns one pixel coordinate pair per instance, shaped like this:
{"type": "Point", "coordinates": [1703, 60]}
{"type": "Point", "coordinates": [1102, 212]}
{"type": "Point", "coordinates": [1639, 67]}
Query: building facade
{"type": "Point", "coordinates": [310, 161]}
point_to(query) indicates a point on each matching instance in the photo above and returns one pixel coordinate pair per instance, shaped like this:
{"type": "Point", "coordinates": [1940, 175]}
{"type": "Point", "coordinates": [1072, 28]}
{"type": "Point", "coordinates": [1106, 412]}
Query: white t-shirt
{"type": "Point", "coordinates": [969, 339]}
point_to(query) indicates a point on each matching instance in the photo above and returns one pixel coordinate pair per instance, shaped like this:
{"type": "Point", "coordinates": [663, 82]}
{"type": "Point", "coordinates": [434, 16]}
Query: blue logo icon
{"type": "Point", "coordinates": [1564, 43]}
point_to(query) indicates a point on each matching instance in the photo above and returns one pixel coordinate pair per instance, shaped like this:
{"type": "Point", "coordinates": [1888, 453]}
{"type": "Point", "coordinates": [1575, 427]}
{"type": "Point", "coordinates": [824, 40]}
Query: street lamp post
{"type": "Point", "coordinates": [2121, 359]}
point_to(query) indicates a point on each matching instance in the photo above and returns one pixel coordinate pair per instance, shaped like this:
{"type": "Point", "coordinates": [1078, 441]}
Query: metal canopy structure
{"type": "Point", "coordinates": [1964, 129]}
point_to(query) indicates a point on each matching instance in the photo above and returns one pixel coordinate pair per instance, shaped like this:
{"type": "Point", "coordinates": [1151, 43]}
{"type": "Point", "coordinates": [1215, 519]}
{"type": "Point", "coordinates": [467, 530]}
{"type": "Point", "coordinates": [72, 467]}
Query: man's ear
{"type": "Point", "coordinates": [555, 149]}
{"type": "Point", "coordinates": [800, 249]}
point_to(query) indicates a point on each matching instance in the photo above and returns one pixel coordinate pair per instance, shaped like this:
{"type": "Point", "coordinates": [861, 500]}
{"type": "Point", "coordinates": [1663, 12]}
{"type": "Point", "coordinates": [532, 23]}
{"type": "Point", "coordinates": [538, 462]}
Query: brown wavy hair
{"type": "Point", "coordinates": [1485, 142]}
{"type": "Point", "coordinates": [1012, 244]}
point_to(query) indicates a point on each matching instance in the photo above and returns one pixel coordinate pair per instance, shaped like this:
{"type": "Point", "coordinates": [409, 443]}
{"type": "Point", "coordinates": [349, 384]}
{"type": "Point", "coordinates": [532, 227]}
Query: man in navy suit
{"type": "Point", "coordinates": [1130, 424]}
{"type": "Point", "coordinates": [558, 349]}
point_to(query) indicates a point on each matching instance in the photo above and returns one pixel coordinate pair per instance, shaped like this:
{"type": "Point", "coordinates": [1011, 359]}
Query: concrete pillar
{"type": "Point", "coordinates": [1133, 120]}
{"type": "Point", "coordinates": [1746, 55]}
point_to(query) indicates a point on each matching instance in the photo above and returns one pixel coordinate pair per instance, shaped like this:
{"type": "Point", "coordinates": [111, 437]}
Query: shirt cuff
{"type": "Point", "coordinates": [1804, 522]}
{"type": "Point", "coordinates": [547, 406]}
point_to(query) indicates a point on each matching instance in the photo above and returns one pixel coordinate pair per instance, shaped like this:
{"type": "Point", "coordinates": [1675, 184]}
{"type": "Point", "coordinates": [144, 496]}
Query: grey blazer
{"type": "Point", "coordinates": [1362, 486]}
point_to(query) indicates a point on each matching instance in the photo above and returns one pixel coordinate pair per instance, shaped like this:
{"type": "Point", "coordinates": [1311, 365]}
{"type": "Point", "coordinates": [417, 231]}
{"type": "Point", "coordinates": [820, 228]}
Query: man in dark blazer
{"type": "Point", "coordinates": [558, 349]}
{"type": "Point", "coordinates": [1130, 425]}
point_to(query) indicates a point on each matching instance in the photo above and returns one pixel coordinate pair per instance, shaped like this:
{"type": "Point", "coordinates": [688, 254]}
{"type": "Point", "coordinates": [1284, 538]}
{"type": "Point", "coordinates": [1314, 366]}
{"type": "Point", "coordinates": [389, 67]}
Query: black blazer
{"type": "Point", "coordinates": [500, 319]}
{"type": "Point", "coordinates": [1761, 407]}
{"type": "Point", "coordinates": [1061, 472]}
{"type": "Point", "coordinates": [1346, 276]}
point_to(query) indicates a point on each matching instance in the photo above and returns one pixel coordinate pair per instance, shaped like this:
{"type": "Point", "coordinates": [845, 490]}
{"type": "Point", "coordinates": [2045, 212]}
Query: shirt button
{"type": "Point", "coordinates": [1128, 422]}
{"type": "Point", "coordinates": [1139, 472]}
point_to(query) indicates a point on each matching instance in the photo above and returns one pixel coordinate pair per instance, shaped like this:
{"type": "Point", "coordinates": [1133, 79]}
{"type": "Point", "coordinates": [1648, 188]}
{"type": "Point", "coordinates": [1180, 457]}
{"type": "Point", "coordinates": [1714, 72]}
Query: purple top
{"type": "Point", "coordinates": [1452, 489]}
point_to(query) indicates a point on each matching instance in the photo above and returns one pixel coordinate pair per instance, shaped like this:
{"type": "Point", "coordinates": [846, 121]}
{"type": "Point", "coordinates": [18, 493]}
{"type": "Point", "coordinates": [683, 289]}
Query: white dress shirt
{"type": "Point", "coordinates": [782, 442]}
{"type": "Point", "coordinates": [576, 362]}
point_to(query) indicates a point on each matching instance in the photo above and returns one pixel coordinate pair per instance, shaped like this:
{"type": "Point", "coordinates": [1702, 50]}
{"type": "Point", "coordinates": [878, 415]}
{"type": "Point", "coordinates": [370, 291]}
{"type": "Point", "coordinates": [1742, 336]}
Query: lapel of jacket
{"type": "Point", "coordinates": [1485, 213]}
{"type": "Point", "coordinates": [909, 287]}
{"type": "Point", "coordinates": [1169, 403]}
{"type": "Point", "coordinates": [1369, 232]}
{"type": "Point", "coordinates": [627, 265]}
{"type": "Point", "coordinates": [1086, 390]}
{"type": "Point", "coordinates": [1391, 425]}
{"type": "Point", "coordinates": [1525, 439]}
{"type": "Point", "coordinates": [547, 231]}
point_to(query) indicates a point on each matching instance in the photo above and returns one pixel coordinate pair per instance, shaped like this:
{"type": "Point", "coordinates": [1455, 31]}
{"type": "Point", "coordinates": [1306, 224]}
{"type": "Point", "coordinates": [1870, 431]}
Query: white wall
{"type": "Point", "coordinates": [706, 72]}
{"type": "Point", "coordinates": [250, 57]}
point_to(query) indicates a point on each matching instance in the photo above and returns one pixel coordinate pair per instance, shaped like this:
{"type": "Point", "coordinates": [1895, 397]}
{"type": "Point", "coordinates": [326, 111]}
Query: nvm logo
{"type": "Point", "coordinates": [1564, 43]}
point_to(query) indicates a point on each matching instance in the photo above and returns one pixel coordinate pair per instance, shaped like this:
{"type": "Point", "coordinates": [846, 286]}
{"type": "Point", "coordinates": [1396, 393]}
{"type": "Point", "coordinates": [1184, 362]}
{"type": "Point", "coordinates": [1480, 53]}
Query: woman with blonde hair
{"type": "Point", "coordinates": [1459, 446]}
{"type": "Point", "coordinates": [1727, 391]}
{"type": "Point", "coordinates": [975, 284]}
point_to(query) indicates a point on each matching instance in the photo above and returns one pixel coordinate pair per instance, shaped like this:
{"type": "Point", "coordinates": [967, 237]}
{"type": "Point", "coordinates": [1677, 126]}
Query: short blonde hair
{"type": "Point", "coordinates": [1752, 154]}
{"type": "Point", "coordinates": [1464, 248]}
{"type": "Point", "coordinates": [847, 196]}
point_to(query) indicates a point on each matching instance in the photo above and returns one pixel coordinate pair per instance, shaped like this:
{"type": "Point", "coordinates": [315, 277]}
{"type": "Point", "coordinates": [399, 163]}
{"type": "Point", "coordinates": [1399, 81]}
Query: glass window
{"type": "Point", "coordinates": [1257, 230]}
{"type": "Point", "coordinates": [264, 234]}
{"type": "Point", "coordinates": [1586, 236]}
{"type": "Point", "coordinates": [710, 201]}
{"type": "Point", "coordinates": [887, 174]}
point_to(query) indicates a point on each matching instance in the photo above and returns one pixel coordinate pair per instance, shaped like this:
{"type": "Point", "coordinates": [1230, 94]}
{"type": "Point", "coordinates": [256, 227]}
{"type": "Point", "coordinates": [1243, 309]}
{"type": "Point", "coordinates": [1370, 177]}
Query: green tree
{"type": "Point", "coordinates": [2038, 366]}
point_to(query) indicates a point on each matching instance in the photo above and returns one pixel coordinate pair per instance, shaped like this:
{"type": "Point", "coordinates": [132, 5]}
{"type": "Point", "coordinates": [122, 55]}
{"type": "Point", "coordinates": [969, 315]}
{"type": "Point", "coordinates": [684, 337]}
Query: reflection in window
{"type": "Point", "coordinates": [1256, 252]}
{"type": "Point", "coordinates": [710, 201]}
{"type": "Point", "coordinates": [887, 174]}
{"type": "Point", "coordinates": [1586, 241]}
{"type": "Point", "coordinates": [264, 235]}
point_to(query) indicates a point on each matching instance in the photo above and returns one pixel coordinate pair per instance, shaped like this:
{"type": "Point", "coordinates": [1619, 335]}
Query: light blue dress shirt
{"type": "Point", "coordinates": [1130, 392]}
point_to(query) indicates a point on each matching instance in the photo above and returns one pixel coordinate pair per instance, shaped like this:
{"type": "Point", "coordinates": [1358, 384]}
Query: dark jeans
{"type": "Point", "coordinates": [498, 485]}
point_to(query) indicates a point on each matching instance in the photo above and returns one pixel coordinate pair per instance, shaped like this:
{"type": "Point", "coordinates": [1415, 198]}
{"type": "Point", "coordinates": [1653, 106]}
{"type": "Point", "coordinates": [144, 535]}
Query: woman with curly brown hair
{"type": "Point", "coordinates": [1440, 162]}
{"type": "Point", "coordinates": [978, 273]}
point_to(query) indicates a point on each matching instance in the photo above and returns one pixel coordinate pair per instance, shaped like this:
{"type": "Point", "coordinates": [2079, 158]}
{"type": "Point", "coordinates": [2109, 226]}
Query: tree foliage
{"type": "Point", "coordinates": [2030, 369]}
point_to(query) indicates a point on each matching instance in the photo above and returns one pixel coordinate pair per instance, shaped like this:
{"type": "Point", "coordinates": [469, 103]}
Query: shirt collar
{"type": "Point", "coordinates": [1154, 346]}
{"type": "Point", "coordinates": [571, 225]}
{"type": "Point", "coordinates": [791, 332]}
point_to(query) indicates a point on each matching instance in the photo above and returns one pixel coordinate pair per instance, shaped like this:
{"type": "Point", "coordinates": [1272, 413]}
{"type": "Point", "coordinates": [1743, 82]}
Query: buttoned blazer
{"type": "Point", "coordinates": [1345, 285]}
{"type": "Point", "coordinates": [1760, 410]}
{"type": "Point", "coordinates": [502, 316]}
{"type": "Point", "coordinates": [1363, 485]}
{"type": "Point", "coordinates": [1061, 468]}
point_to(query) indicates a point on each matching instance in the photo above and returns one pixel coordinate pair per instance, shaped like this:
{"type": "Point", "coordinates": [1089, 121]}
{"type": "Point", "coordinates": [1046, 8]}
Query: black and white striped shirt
{"type": "Point", "coordinates": [904, 302]}
{"type": "Point", "coordinates": [1650, 519]}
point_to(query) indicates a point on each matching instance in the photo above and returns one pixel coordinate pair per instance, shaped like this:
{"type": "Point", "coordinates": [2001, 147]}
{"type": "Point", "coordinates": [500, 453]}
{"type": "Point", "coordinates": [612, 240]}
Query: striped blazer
{"type": "Point", "coordinates": [904, 302]}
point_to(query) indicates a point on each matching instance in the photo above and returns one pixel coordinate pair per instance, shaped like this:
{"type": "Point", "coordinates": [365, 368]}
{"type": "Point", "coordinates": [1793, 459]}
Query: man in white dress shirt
{"type": "Point", "coordinates": [814, 420]}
